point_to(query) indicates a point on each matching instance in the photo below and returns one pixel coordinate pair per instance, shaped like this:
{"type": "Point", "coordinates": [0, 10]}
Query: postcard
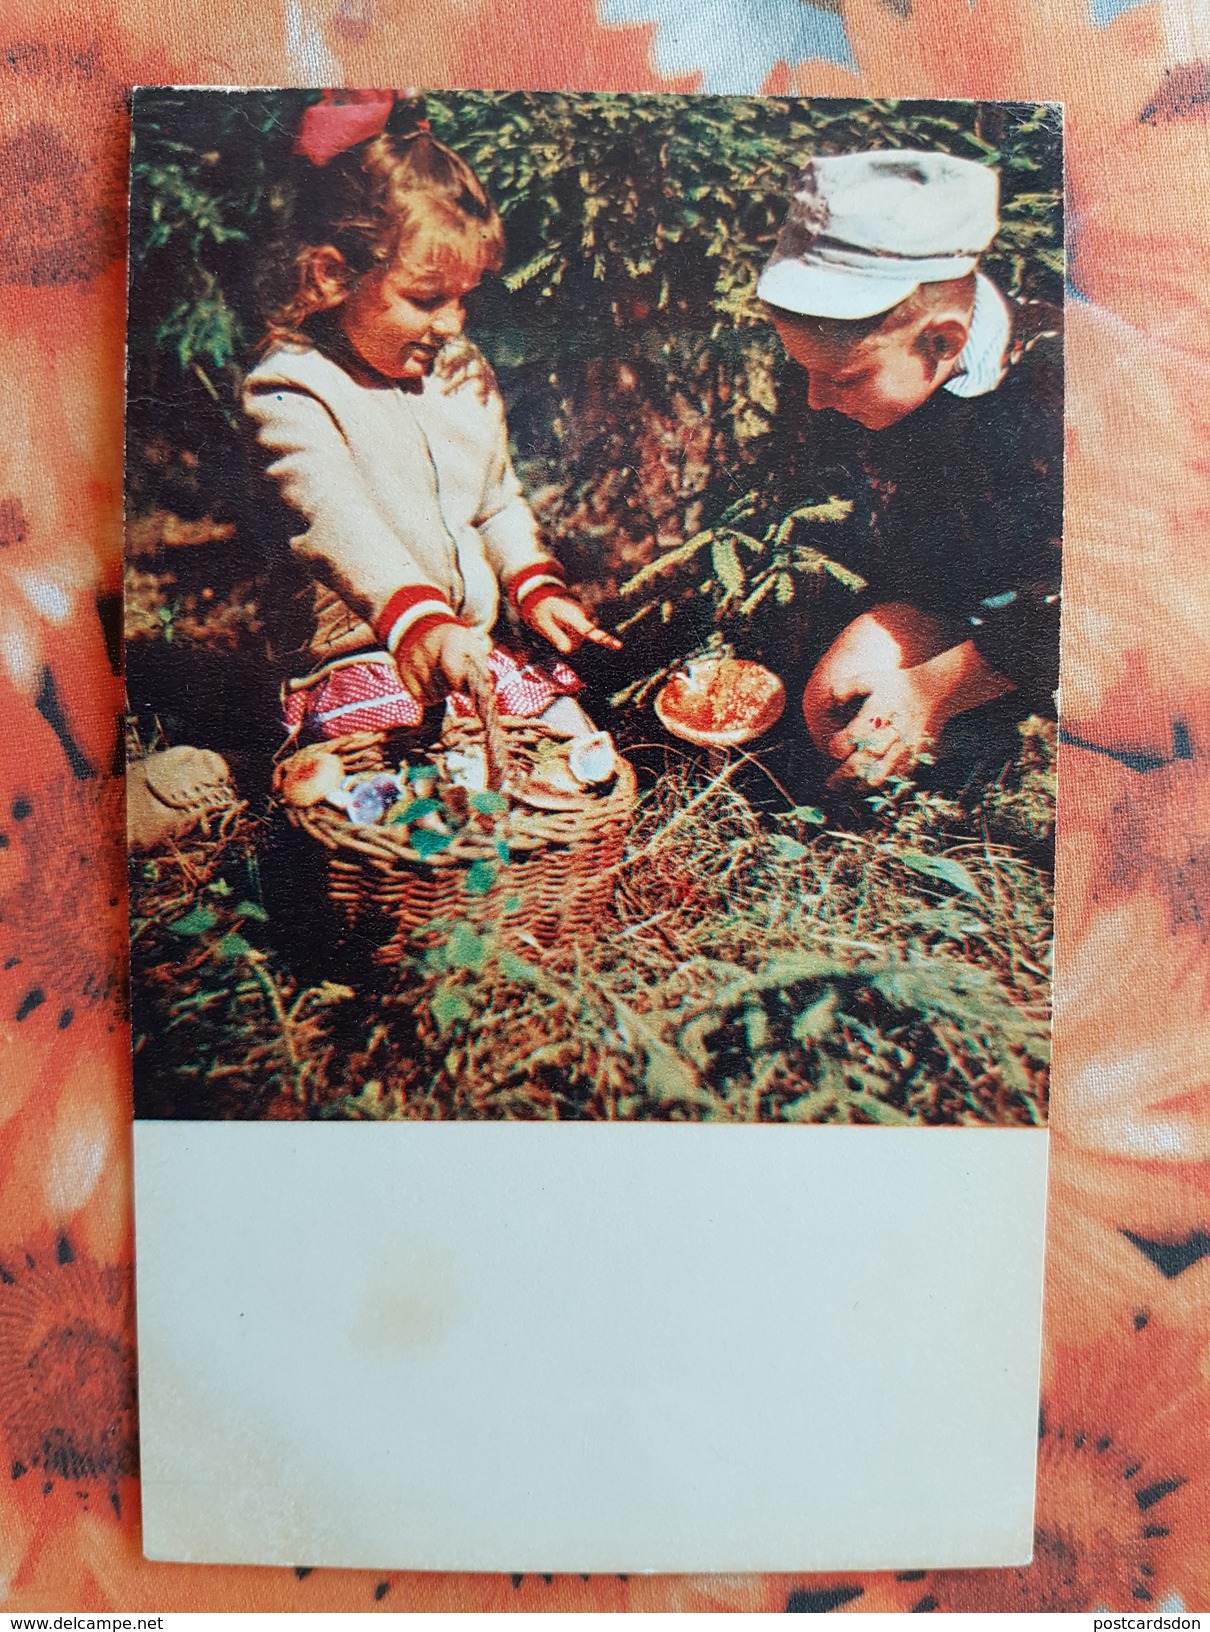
{"type": "Point", "coordinates": [592, 630]}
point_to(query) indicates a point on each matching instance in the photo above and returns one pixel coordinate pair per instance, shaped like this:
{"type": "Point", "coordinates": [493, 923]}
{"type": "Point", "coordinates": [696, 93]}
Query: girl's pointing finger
{"type": "Point", "coordinates": [601, 637]}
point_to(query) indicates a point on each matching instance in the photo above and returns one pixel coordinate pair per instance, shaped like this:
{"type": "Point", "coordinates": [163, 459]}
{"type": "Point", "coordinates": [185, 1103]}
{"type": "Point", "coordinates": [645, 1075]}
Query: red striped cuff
{"type": "Point", "coordinates": [545, 576]}
{"type": "Point", "coordinates": [534, 601]}
{"type": "Point", "coordinates": [411, 613]}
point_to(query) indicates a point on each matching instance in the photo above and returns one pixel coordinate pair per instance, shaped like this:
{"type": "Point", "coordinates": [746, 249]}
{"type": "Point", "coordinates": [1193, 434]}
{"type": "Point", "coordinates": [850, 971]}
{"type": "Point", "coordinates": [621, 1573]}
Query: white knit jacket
{"type": "Point", "coordinates": [409, 502]}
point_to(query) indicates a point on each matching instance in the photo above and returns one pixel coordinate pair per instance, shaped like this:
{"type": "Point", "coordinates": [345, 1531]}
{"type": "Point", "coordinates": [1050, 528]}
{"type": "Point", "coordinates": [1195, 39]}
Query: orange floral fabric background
{"type": "Point", "coordinates": [1124, 1476]}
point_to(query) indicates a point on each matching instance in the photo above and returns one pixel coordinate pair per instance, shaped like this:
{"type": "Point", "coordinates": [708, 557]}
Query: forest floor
{"type": "Point", "coordinates": [763, 960]}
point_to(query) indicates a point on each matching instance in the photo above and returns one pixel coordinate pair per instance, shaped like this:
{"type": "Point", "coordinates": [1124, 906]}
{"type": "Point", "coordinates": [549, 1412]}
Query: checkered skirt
{"type": "Point", "coordinates": [364, 693]}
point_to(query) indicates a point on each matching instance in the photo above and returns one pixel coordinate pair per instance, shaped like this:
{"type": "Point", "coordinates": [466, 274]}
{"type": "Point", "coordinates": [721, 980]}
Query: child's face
{"type": "Point", "coordinates": [876, 381]}
{"type": "Point", "coordinates": [397, 320]}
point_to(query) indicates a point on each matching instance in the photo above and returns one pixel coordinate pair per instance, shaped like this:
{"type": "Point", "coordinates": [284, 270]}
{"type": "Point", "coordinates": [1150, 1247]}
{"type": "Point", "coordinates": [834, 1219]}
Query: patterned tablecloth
{"type": "Point", "coordinates": [1124, 1480]}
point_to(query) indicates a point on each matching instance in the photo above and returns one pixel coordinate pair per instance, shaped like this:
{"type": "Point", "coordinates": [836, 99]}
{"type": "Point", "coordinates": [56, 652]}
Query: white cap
{"type": "Point", "coordinates": [867, 229]}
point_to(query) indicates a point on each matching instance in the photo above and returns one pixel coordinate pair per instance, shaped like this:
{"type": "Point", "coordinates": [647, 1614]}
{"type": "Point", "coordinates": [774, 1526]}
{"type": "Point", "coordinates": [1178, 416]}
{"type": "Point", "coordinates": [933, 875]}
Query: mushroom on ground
{"type": "Point", "coordinates": [720, 702]}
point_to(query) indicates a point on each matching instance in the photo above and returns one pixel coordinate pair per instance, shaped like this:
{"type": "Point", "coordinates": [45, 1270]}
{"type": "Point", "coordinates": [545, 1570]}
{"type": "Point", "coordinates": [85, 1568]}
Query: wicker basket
{"type": "Point", "coordinates": [560, 873]}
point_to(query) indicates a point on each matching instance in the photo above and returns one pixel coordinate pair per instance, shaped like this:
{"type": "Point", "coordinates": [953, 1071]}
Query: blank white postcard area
{"type": "Point", "coordinates": [589, 1347]}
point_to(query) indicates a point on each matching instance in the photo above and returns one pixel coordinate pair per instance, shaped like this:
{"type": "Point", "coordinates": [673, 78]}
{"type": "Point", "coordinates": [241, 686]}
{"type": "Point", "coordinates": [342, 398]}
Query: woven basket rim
{"type": "Point", "coordinates": [524, 831]}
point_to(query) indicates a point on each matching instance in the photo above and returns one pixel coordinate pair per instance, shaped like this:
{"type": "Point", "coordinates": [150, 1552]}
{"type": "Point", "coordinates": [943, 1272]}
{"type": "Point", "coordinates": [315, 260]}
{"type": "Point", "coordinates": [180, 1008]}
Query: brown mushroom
{"type": "Point", "coordinates": [308, 777]}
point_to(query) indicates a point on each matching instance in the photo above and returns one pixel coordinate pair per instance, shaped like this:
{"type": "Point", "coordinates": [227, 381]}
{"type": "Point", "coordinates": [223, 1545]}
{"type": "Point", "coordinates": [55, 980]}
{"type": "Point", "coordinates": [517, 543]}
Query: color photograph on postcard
{"type": "Point", "coordinates": [592, 606]}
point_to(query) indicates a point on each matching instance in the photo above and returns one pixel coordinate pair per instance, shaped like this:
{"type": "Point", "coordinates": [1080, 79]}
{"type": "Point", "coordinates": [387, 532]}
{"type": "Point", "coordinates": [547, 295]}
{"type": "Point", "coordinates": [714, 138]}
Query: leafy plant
{"type": "Point", "coordinates": [637, 368]}
{"type": "Point", "coordinates": [733, 589]}
{"type": "Point", "coordinates": [218, 1020]}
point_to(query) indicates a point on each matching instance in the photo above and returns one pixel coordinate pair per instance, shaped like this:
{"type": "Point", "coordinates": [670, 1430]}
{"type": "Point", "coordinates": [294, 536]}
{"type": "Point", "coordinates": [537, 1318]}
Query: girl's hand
{"type": "Point", "coordinates": [437, 663]}
{"type": "Point", "coordinates": [566, 625]}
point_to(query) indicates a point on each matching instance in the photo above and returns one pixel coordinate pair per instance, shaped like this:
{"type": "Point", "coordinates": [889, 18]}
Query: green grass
{"type": "Point", "coordinates": [753, 969]}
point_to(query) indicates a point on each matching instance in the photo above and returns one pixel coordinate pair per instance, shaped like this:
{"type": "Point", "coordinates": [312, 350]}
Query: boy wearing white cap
{"type": "Point", "coordinates": [946, 431]}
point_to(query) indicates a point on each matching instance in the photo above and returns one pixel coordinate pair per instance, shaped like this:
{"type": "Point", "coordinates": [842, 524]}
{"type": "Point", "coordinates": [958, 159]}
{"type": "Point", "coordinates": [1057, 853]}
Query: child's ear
{"type": "Point", "coordinates": [942, 341]}
{"type": "Point", "coordinates": [330, 274]}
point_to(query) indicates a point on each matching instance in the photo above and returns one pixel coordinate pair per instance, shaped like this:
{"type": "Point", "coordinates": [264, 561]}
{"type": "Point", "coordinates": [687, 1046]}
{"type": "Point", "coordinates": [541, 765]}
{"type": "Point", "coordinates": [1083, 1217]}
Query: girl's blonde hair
{"type": "Point", "coordinates": [373, 203]}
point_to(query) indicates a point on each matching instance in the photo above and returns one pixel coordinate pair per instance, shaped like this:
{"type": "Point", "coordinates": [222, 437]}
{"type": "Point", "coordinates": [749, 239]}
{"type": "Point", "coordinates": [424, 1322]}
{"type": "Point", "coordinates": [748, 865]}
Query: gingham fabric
{"type": "Point", "coordinates": [368, 695]}
{"type": "Point", "coordinates": [523, 690]}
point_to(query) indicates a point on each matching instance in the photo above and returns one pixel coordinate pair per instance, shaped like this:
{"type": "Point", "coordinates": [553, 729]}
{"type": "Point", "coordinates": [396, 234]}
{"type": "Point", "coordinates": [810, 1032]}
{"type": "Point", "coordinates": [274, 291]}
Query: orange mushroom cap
{"type": "Point", "coordinates": [721, 702]}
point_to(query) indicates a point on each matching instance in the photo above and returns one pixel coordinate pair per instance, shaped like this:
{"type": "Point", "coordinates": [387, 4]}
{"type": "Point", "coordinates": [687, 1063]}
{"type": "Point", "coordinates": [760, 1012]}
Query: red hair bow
{"type": "Point", "coordinates": [342, 119]}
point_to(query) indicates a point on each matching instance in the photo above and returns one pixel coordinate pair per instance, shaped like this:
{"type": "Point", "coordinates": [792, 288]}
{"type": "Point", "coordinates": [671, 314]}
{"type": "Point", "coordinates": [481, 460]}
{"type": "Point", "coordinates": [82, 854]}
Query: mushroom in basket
{"type": "Point", "coordinates": [720, 701]}
{"type": "Point", "coordinates": [571, 774]}
{"type": "Point", "coordinates": [309, 777]}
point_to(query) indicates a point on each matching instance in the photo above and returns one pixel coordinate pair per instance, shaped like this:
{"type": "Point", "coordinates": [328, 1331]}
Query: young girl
{"type": "Point", "coordinates": [385, 433]}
